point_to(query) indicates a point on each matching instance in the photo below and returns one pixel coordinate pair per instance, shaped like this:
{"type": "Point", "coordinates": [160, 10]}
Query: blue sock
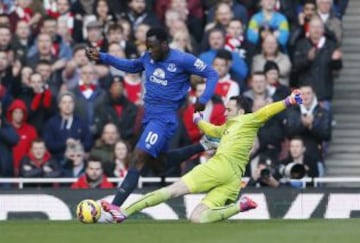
{"type": "Point", "coordinates": [127, 186]}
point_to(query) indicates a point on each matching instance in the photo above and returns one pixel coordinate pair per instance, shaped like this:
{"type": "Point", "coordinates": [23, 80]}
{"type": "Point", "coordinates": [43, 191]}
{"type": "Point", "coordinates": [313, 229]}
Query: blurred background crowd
{"type": "Point", "coordinates": [64, 116]}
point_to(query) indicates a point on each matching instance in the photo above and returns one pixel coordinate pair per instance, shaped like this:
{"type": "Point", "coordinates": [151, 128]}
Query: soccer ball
{"type": "Point", "coordinates": [88, 211]}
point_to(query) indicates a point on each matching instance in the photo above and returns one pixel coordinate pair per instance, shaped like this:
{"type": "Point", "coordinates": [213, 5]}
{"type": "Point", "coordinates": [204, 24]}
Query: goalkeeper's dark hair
{"type": "Point", "coordinates": [160, 34]}
{"type": "Point", "coordinates": [242, 103]}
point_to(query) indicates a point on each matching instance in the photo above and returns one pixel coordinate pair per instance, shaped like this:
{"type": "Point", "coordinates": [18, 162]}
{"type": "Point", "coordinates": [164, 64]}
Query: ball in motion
{"type": "Point", "coordinates": [88, 211]}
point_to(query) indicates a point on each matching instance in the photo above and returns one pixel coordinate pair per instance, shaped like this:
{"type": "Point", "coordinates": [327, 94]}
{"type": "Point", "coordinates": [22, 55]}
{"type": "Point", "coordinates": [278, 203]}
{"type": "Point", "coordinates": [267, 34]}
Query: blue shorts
{"type": "Point", "coordinates": [156, 134]}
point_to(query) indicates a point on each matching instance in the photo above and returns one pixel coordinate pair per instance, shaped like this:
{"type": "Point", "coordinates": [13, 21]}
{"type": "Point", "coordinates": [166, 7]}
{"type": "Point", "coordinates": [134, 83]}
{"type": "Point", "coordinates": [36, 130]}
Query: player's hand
{"type": "Point", "coordinates": [198, 116]}
{"type": "Point", "coordinates": [93, 54]}
{"type": "Point", "coordinates": [294, 98]}
{"type": "Point", "coordinates": [198, 106]}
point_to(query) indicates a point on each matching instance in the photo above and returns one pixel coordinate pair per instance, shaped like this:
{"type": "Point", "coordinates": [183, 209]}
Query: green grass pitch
{"type": "Point", "coordinates": [149, 231]}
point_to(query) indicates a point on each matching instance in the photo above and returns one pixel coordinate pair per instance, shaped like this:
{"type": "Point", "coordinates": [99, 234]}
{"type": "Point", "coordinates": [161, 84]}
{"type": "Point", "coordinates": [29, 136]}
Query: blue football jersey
{"type": "Point", "coordinates": [167, 82]}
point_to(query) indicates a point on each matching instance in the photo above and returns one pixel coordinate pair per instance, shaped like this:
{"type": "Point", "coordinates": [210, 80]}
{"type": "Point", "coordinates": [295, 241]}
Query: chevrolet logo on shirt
{"type": "Point", "coordinates": [158, 77]}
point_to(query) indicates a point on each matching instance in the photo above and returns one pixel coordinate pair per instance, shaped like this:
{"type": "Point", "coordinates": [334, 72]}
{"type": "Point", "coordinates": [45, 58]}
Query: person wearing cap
{"type": "Point", "coordinates": [277, 90]}
{"type": "Point", "coordinates": [95, 36]}
{"type": "Point", "coordinates": [66, 128]}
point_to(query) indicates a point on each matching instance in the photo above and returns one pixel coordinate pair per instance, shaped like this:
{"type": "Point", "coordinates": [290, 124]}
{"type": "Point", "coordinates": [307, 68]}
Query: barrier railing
{"type": "Point", "coordinates": [142, 180]}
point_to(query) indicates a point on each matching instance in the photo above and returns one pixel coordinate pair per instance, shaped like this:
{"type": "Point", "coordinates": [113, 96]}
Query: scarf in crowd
{"type": "Point", "coordinates": [306, 111]}
{"type": "Point", "coordinates": [24, 14]}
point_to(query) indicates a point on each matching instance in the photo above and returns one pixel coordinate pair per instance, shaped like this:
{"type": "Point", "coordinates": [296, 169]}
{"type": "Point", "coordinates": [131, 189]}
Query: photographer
{"type": "Point", "coordinates": [264, 174]}
{"type": "Point", "coordinates": [312, 167]}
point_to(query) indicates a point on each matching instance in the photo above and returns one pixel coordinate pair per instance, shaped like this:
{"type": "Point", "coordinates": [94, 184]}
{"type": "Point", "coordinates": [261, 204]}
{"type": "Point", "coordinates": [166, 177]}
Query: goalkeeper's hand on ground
{"type": "Point", "coordinates": [197, 116]}
{"type": "Point", "coordinates": [294, 98]}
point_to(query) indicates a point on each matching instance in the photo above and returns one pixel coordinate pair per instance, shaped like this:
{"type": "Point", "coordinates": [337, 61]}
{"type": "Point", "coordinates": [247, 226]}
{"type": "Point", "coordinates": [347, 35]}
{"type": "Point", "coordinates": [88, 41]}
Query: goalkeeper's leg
{"type": "Point", "coordinates": [203, 214]}
{"type": "Point", "coordinates": [154, 198]}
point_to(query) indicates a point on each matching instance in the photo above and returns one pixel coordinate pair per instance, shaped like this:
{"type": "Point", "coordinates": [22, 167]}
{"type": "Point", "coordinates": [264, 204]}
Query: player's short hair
{"type": "Point", "coordinates": [159, 33]}
{"type": "Point", "coordinates": [242, 103]}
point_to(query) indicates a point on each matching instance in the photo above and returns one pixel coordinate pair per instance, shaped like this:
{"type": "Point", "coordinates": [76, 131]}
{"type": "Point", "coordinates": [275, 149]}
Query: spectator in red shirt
{"type": "Point", "coordinates": [213, 113]}
{"type": "Point", "coordinates": [17, 115]}
{"type": "Point", "coordinates": [133, 88]}
{"type": "Point", "coordinates": [94, 176]}
{"type": "Point", "coordinates": [226, 87]}
{"type": "Point", "coordinates": [41, 103]}
{"type": "Point", "coordinates": [38, 162]}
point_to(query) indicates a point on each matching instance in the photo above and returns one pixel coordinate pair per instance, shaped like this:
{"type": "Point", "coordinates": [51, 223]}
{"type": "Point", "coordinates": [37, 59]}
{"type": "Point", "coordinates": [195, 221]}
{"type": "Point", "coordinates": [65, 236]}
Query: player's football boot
{"type": "Point", "coordinates": [114, 210]}
{"type": "Point", "coordinates": [246, 204]}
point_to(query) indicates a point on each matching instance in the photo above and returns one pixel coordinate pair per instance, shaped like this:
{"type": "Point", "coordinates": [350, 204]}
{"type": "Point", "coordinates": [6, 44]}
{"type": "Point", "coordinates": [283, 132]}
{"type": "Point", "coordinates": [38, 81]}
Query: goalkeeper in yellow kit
{"type": "Point", "coordinates": [220, 177]}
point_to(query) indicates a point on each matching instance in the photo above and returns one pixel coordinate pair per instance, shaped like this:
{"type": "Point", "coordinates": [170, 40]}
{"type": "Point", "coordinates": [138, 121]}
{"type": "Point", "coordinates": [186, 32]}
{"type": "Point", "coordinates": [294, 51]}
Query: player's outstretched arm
{"type": "Point", "coordinates": [198, 67]}
{"type": "Point", "coordinates": [270, 110]}
{"type": "Point", "coordinates": [208, 128]}
{"type": "Point", "coordinates": [126, 65]}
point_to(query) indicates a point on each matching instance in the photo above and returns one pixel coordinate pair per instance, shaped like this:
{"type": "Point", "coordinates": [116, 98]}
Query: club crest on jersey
{"type": "Point", "coordinates": [171, 67]}
{"type": "Point", "coordinates": [199, 64]}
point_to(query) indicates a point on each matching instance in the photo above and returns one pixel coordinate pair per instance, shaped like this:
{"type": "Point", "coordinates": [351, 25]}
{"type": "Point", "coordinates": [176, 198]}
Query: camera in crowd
{"type": "Point", "coordinates": [268, 171]}
{"type": "Point", "coordinates": [292, 170]}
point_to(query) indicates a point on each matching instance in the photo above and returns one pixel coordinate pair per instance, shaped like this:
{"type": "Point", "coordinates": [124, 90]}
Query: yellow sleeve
{"type": "Point", "coordinates": [210, 129]}
{"type": "Point", "coordinates": [268, 111]}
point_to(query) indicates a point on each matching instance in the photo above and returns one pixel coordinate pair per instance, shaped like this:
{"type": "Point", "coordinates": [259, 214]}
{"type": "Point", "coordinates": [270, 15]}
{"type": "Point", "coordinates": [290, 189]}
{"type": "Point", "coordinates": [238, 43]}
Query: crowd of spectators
{"type": "Point", "coordinates": [62, 115]}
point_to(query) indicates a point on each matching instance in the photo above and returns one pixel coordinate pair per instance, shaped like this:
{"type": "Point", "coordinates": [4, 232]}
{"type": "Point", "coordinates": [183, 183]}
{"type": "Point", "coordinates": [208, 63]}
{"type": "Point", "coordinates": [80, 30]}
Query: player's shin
{"type": "Point", "coordinates": [127, 186]}
{"type": "Point", "coordinates": [149, 200]}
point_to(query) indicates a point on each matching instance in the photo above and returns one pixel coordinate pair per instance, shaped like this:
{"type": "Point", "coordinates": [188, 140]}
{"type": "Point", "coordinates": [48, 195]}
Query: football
{"type": "Point", "coordinates": [88, 211]}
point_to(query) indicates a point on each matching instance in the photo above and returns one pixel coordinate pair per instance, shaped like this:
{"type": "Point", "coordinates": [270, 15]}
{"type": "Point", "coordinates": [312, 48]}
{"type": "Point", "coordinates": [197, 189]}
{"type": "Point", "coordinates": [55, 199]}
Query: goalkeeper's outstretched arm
{"type": "Point", "coordinates": [270, 110]}
{"type": "Point", "coordinates": [206, 127]}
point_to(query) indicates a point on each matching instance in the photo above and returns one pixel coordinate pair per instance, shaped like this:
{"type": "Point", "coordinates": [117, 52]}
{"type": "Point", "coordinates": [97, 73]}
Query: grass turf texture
{"type": "Point", "coordinates": [149, 231]}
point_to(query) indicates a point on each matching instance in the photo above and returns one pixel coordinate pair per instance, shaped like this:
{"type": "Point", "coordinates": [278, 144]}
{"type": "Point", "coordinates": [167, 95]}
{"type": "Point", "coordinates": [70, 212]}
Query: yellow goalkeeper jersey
{"type": "Point", "coordinates": [238, 134]}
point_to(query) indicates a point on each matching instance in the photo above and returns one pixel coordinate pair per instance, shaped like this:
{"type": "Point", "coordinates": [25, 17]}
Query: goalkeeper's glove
{"type": "Point", "coordinates": [294, 98]}
{"type": "Point", "coordinates": [197, 116]}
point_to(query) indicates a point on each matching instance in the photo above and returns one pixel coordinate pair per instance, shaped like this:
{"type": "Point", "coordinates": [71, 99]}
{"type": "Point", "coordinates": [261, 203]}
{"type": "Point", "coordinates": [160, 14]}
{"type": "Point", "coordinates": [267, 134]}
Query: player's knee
{"type": "Point", "coordinates": [140, 159]}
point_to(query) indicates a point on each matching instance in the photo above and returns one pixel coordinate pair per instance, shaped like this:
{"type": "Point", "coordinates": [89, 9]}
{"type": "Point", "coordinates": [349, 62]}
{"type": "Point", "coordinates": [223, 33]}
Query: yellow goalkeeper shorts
{"type": "Point", "coordinates": [218, 177]}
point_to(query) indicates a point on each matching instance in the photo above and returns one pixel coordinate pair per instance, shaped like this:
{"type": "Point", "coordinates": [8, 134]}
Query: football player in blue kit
{"type": "Point", "coordinates": [167, 81]}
